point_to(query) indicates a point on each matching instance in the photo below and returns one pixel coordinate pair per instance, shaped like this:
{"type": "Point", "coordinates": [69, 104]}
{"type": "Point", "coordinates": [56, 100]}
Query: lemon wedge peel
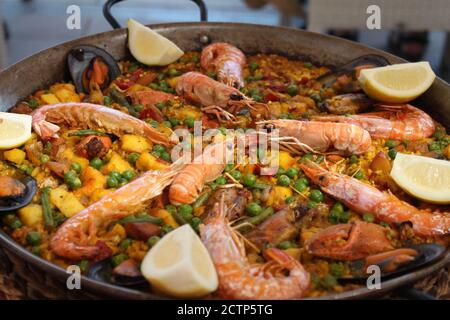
{"type": "Point", "coordinates": [399, 83]}
{"type": "Point", "coordinates": [15, 129]}
{"type": "Point", "coordinates": [179, 265]}
{"type": "Point", "coordinates": [149, 47]}
{"type": "Point", "coordinates": [425, 178]}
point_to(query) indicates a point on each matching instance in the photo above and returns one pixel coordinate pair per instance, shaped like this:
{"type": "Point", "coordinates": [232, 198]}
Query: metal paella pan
{"type": "Point", "coordinates": [34, 73]}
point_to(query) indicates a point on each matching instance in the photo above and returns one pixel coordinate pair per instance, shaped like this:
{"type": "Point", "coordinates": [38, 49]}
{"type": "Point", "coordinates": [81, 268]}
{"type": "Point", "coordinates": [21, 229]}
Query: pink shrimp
{"type": "Point", "coordinates": [240, 280]}
{"type": "Point", "coordinates": [363, 198]}
{"type": "Point", "coordinates": [92, 116]}
{"type": "Point", "coordinates": [320, 136]}
{"type": "Point", "coordinates": [217, 98]}
{"type": "Point", "coordinates": [392, 122]}
{"type": "Point", "coordinates": [76, 239]}
{"type": "Point", "coordinates": [227, 61]}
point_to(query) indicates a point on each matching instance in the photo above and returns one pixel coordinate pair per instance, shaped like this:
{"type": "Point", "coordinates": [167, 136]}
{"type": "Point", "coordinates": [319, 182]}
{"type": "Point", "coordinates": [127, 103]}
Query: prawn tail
{"type": "Point", "coordinates": [45, 129]}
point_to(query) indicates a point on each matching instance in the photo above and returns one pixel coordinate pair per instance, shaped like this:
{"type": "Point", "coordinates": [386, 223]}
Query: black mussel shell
{"type": "Point", "coordinates": [16, 202]}
{"type": "Point", "coordinates": [103, 271]}
{"type": "Point", "coordinates": [426, 253]}
{"type": "Point", "coordinates": [349, 68]}
{"type": "Point", "coordinates": [349, 103]}
{"type": "Point", "coordinates": [80, 58]}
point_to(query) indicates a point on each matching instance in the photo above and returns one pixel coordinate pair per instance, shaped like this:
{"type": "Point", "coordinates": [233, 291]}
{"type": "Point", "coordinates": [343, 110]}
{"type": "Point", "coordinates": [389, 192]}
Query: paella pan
{"type": "Point", "coordinates": [96, 185]}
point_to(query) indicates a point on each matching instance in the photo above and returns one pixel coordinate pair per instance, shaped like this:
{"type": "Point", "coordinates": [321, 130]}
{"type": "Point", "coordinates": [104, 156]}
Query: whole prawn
{"type": "Point", "coordinates": [400, 122]}
{"type": "Point", "coordinates": [86, 115]}
{"type": "Point", "coordinates": [363, 198]}
{"type": "Point", "coordinates": [226, 60]}
{"type": "Point", "coordinates": [240, 280]}
{"type": "Point", "coordinates": [320, 136]}
{"type": "Point", "coordinates": [215, 97]}
{"type": "Point", "coordinates": [205, 168]}
{"type": "Point", "coordinates": [76, 239]}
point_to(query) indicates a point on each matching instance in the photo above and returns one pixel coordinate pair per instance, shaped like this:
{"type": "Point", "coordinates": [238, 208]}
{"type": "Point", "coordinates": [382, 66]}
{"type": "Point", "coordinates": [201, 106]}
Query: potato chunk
{"type": "Point", "coordinates": [31, 215]}
{"type": "Point", "coordinates": [134, 143]}
{"type": "Point", "coordinates": [65, 201]}
{"type": "Point", "coordinates": [15, 155]}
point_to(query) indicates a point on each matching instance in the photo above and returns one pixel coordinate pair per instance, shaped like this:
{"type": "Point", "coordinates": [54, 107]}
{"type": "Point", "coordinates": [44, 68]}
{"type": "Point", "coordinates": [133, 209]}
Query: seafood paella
{"type": "Point", "coordinates": [96, 183]}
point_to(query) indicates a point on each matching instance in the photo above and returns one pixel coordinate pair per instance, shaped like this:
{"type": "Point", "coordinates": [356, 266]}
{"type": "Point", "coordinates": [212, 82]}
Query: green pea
{"type": "Point", "coordinates": [174, 122]}
{"type": "Point", "coordinates": [300, 186]}
{"type": "Point", "coordinates": [344, 216]}
{"type": "Point", "coordinates": [308, 65]}
{"type": "Point", "coordinates": [257, 77]}
{"type": "Point", "coordinates": [158, 148]}
{"type": "Point", "coordinates": [152, 241]}
{"type": "Point", "coordinates": [195, 59]}
{"type": "Point", "coordinates": [195, 223]}
{"type": "Point", "coordinates": [304, 180]}
{"type": "Point", "coordinates": [439, 134]}
{"type": "Point", "coordinates": [33, 238]}
{"type": "Point", "coordinates": [283, 180]}
{"type": "Point", "coordinates": [166, 156]}
{"type": "Point", "coordinates": [33, 103]}
{"type": "Point", "coordinates": [44, 158]}
{"type": "Point", "coordinates": [237, 175]}
{"type": "Point", "coordinates": [221, 181]}
{"type": "Point", "coordinates": [307, 156]}
{"type": "Point", "coordinates": [115, 174]}
{"type": "Point", "coordinates": [311, 204]}
{"type": "Point", "coordinates": [122, 181]}
{"type": "Point", "coordinates": [392, 154]}
{"type": "Point", "coordinates": [76, 167]}
{"type": "Point", "coordinates": [156, 154]}
{"type": "Point", "coordinates": [289, 200]}
{"type": "Point", "coordinates": [160, 105]}
{"type": "Point", "coordinates": [353, 159]}
{"type": "Point", "coordinates": [281, 171]}
{"type": "Point", "coordinates": [367, 217]}
{"type": "Point", "coordinates": [249, 180]}
{"type": "Point", "coordinates": [292, 172]}
{"type": "Point", "coordinates": [15, 224]}
{"type": "Point", "coordinates": [152, 122]}
{"type": "Point", "coordinates": [112, 182]}
{"type": "Point", "coordinates": [185, 209]}
{"type": "Point", "coordinates": [118, 259]}
{"type": "Point", "coordinates": [213, 186]}
{"type": "Point", "coordinates": [75, 184]}
{"type": "Point", "coordinates": [390, 143]}
{"type": "Point", "coordinates": [138, 107]}
{"type": "Point", "coordinates": [211, 74]}
{"type": "Point", "coordinates": [167, 123]}
{"type": "Point", "coordinates": [96, 163]}
{"type": "Point", "coordinates": [70, 176]}
{"type": "Point", "coordinates": [359, 175]}
{"type": "Point", "coordinates": [229, 167]}
{"type": "Point", "coordinates": [173, 72]}
{"type": "Point", "coordinates": [253, 209]}
{"type": "Point", "coordinates": [47, 147]}
{"type": "Point", "coordinates": [253, 65]}
{"type": "Point", "coordinates": [320, 159]}
{"type": "Point", "coordinates": [171, 208]}
{"type": "Point", "coordinates": [125, 243]}
{"type": "Point", "coordinates": [337, 269]}
{"type": "Point", "coordinates": [434, 146]}
{"type": "Point", "coordinates": [257, 98]}
{"type": "Point", "coordinates": [316, 195]}
{"type": "Point", "coordinates": [329, 282]}
{"type": "Point", "coordinates": [154, 86]}
{"type": "Point", "coordinates": [292, 90]}
{"type": "Point", "coordinates": [132, 157]}
{"type": "Point", "coordinates": [128, 175]}
{"type": "Point", "coordinates": [165, 229]}
{"type": "Point", "coordinates": [106, 101]}
{"type": "Point", "coordinates": [283, 245]}
{"type": "Point", "coordinates": [338, 207]}
{"type": "Point", "coordinates": [334, 216]}
{"type": "Point", "coordinates": [223, 131]}
{"type": "Point", "coordinates": [316, 97]}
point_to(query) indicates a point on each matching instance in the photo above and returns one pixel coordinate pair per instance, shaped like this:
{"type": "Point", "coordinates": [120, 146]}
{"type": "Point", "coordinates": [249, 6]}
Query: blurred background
{"type": "Point", "coordinates": [413, 29]}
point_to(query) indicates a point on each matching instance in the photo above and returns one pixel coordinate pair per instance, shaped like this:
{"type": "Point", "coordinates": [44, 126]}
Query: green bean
{"type": "Point", "coordinates": [87, 132]}
{"type": "Point", "coordinates": [47, 209]}
{"type": "Point", "coordinates": [141, 218]}
{"type": "Point", "coordinates": [245, 226]}
{"type": "Point", "coordinates": [116, 96]}
{"type": "Point", "coordinates": [201, 200]}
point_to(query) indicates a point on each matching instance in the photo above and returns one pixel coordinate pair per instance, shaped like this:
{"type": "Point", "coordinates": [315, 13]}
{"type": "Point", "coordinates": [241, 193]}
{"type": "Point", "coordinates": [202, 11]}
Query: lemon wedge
{"type": "Point", "coordinates": [179, 265]}
{"type": "Point", "coordinates": [150, 48]}
{"type": "Point", "coordinates": [398, 83]}
{"type": "Point", "coordinates": [425, 178]}
{"type": "Point", "coordinates": [15, 129]}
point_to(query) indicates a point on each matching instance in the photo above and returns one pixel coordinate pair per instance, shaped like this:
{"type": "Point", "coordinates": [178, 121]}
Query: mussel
{"type": "Point", "coordinates": [350, 103]}
{"type": "Point", "coordinates": [16, 193]}
{"type": "Point", "coordinates": [344, 78]}
{"type": "Point", "coordinates": [396, 262]}
{"type": "Point", "coordinates": [90, 67]}
{"type": "Point", "coordinates": [126, 274]}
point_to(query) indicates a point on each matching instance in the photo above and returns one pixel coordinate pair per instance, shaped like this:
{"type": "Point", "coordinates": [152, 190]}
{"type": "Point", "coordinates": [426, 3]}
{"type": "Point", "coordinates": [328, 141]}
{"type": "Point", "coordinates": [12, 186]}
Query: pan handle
{"type": "Point", "coordinates": [113, 22]}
